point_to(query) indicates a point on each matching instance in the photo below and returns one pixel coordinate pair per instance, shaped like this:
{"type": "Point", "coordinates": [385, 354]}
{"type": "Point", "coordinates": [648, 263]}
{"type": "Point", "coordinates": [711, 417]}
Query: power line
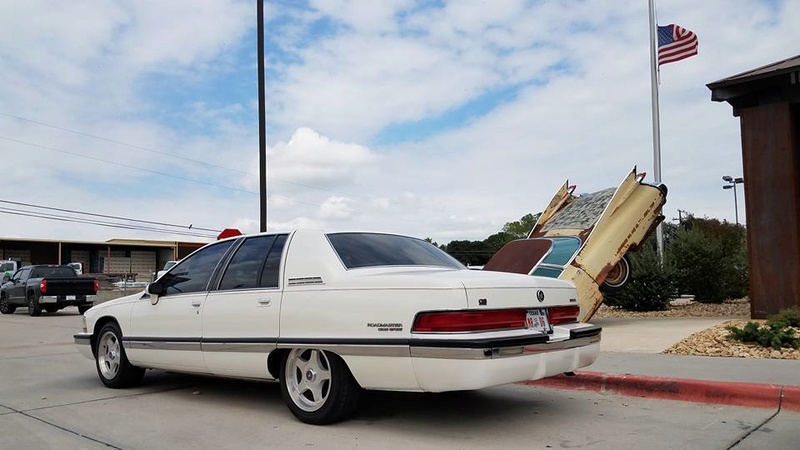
{"type": "Point", "coordinates": [163, 173]}
{"type": "Point", "coordinates": [125, 144]}
{"type": "Point", "coordinates": [127, 166]}
{"type": "Point", "coordinates": [73, 211]}
{"type": "Point", "coordinates": [159, 152]}
{"type": "Point", "coordinates": [11, 211]}
{"type": "Point", "coordinates": [138, 147]}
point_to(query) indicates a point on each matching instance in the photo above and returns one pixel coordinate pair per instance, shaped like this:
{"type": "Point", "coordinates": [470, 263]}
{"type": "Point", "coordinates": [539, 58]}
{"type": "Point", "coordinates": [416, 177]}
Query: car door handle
{"type": "Point", "coordinates": [196, 303]}
{"type": "Point", "coordinates": [265, 301]}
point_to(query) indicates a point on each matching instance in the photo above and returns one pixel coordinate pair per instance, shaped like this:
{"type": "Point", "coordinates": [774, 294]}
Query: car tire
{"type": "Point", "coordinates": [34, 308]}
{"type": "Point", "coordinates": [112, 363]}
{"type": "Point", "coordinates": [618, 276]}
{"type": "Point", "coordinates": [51, 308]}
{"type": "Point", "coordinates": [317, 386]}
{"type": "Point", "coordinates": [5, 308]}
{"type": "Point", "coordinates": [83, 308]}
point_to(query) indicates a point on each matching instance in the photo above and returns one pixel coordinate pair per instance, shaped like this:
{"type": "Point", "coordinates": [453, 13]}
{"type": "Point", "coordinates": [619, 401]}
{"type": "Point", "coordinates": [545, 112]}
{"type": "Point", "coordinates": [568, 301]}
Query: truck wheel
{"type": "Point", "coordinates": [317, 386]}
{"type": "Point", "coordinates": [5, 308]}
{"type": "Point", "coordinates": [83, 308]}
{"type": "Point", "coordinates": [112, 363]}
{"type": "Point", "coordinates": [34, 308]}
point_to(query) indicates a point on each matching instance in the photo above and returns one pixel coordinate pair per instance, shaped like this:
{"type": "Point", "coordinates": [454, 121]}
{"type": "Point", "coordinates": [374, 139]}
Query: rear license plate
{"type": "Point", "coordinates": [536, 320]}
{"type": "Point", "coordinates": [70, 297]}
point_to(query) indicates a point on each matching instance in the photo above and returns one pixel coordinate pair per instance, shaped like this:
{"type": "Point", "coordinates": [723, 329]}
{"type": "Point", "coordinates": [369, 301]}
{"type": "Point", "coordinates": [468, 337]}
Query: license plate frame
{"type": "Point", "coordinates": [536, 319]}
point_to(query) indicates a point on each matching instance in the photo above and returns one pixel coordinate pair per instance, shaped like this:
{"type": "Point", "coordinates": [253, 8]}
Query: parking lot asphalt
{"type": "Point", "coordinates": [50, 397]}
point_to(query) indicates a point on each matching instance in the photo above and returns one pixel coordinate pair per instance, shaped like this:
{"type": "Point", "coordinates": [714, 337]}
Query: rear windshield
{"type": "Point", "coordinates": [373, 249]}
{"type": "Point", "coordinates": [54, 272]}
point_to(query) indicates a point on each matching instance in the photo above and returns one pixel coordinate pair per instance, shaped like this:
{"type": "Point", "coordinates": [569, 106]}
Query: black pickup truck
{"type": "Point", "coordinates": [47, 287]}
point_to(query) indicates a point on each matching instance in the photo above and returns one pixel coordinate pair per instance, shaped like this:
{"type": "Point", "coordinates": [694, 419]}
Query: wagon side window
{"type": "Point", "coordinates": [270, 276]}
{"type": "Point", "coordinates": [246, 265]}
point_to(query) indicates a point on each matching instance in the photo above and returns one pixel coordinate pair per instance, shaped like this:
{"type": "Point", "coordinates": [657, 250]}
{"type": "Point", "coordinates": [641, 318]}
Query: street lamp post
{"type": "Point", "coordinates": [732, 182]}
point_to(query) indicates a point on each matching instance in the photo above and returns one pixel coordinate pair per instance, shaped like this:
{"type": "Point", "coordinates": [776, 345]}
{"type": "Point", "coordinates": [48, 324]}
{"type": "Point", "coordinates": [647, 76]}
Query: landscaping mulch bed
{"type": "Point", "coordinates": [712, 341]}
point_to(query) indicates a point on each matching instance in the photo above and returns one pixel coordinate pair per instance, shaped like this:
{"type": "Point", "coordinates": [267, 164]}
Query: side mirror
{"type": "Point", "coordinates": [155, 289]}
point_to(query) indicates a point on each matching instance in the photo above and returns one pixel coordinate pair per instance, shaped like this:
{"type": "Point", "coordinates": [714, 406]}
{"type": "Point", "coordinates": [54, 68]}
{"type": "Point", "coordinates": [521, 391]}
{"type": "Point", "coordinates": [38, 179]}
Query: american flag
{"type": "Point", "coordinates": [675, 43]}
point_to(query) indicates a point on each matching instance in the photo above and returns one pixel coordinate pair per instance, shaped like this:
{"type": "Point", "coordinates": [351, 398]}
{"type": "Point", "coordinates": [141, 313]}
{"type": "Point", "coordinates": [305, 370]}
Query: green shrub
{"type": "Point", "coordinates": [777, 333]}
{"type": "Point", "coordinates": [651, 286]}
{"type": "Point", "coordinates": [774, 334]}
{"type": "Point", "coordinates": [790, 317]}
{"type": "Point", "coordinates": [711, 260]}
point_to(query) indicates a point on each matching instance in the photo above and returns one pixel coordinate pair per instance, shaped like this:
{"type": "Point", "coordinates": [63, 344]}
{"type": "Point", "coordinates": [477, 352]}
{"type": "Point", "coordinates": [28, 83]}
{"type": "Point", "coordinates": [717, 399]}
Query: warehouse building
{"type": "Point", "coordinates": [114, 260]}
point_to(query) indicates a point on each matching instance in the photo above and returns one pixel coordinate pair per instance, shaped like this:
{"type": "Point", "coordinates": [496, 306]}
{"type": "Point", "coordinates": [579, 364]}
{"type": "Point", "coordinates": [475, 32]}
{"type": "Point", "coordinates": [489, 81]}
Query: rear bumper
{"type": "Point", "coordinates": [448, 368]}
{"type": "Point", "coordinates": [67, 300]}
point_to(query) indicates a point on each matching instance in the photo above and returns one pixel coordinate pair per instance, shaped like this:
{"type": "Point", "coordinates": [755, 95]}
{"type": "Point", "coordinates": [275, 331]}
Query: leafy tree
{"type": "Point", "coordinates": [496, 241]}
{"type": "Point", "coordinates": [469, 252]}
{"type": "Point", "coordinates": [711, 260]}
{"type": "Point", "coordinates": [431, 241]}
{"type": "Point", "coordinates": [522, 227]}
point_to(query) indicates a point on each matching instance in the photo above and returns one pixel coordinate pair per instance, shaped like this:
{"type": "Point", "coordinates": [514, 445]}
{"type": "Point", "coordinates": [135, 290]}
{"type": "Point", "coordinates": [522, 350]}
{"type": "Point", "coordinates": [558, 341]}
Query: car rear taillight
{"type": "Point", "coordinates": [455, 321]}
{"type": "Point", "coordinates": [96, 286]}
{"type": "Point", "coordinates": [43, 286]}
{"type": "Point", "coordinates": [564, 314]}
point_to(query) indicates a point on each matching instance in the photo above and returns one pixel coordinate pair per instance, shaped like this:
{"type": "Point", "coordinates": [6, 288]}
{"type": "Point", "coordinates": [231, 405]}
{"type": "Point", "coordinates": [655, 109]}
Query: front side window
{"type": "Point", "coordinates": [372, 250]}
{"type": "Point", "coordinates": [193, 273]}
{"type": "Point", "coordinates": [20, 274]}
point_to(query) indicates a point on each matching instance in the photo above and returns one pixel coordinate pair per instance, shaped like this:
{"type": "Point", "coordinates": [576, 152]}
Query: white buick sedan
{"type": "Point", "coordinates": [330, 314]}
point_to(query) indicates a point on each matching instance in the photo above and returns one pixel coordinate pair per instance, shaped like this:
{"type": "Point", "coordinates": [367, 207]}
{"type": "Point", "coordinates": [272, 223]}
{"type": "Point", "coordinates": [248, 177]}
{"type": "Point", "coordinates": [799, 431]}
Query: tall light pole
{"type": "Point", "coordinates": [732, 182]}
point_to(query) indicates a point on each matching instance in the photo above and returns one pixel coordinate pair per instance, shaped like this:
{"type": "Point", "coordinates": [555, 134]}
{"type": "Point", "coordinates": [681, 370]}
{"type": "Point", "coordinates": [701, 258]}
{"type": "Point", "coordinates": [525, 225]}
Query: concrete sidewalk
{"type": "Point", "coordinates": [631, 363]}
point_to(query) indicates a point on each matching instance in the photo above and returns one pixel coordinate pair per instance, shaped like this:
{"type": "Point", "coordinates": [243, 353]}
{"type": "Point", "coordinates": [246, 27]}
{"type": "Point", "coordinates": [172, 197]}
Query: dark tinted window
{"type": "Point", "coordinates": [193, 272]}
{"type": "Point", "coordinates": [372, 249]}
{"type": "Point", "coordinates": [53, 272]}
{"type": "Point", "coordinates": [245, 266]}
{"type": "Point", "coordinates": [271, 272]}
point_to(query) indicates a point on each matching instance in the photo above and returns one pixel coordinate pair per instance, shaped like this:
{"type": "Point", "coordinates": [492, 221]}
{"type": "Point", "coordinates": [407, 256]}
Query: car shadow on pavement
{"type": "Point", "coordinates": [456, 410]}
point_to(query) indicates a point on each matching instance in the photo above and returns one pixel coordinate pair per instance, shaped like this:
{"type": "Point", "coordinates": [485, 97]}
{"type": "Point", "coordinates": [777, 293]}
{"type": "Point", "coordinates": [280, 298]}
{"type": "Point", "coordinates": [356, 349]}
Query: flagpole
{"type": "Point", "coordinates": [656, 127]}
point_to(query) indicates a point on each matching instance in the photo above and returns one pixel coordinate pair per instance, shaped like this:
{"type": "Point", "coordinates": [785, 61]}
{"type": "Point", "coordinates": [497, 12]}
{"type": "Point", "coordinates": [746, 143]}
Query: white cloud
{"type": "Point", "coordinates": [309, 158]}
{"type": "Point", "coordinates": [336, 208]}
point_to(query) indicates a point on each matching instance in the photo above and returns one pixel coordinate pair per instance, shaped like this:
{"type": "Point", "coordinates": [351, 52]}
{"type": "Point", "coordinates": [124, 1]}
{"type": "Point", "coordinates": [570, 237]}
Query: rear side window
{"type": "Point", "coordinates": [373, 250]}
{"type": "Point", "coordinates": [254, 264]}
{"type": "Point", "coordinates": [194, 272]}
{"type": "Point", "coordinates": [270, 274]}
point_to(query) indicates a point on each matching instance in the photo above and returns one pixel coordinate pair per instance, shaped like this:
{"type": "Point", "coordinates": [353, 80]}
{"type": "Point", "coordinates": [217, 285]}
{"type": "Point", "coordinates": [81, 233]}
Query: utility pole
{"type": "Point", "coordinates": [262, 116]}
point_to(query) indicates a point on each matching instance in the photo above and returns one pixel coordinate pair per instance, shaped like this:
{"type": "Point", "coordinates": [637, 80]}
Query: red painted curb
{"type": "Point", "coordinates": [757, 395]}
{"type": "Point", "coordinates": [791, 398]}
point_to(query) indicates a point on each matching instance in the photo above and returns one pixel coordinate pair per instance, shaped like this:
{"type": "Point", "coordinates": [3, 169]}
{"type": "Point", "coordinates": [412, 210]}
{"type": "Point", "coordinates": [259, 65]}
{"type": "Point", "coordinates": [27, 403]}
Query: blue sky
{"type": "Point", "coordinates": [430, 118]}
